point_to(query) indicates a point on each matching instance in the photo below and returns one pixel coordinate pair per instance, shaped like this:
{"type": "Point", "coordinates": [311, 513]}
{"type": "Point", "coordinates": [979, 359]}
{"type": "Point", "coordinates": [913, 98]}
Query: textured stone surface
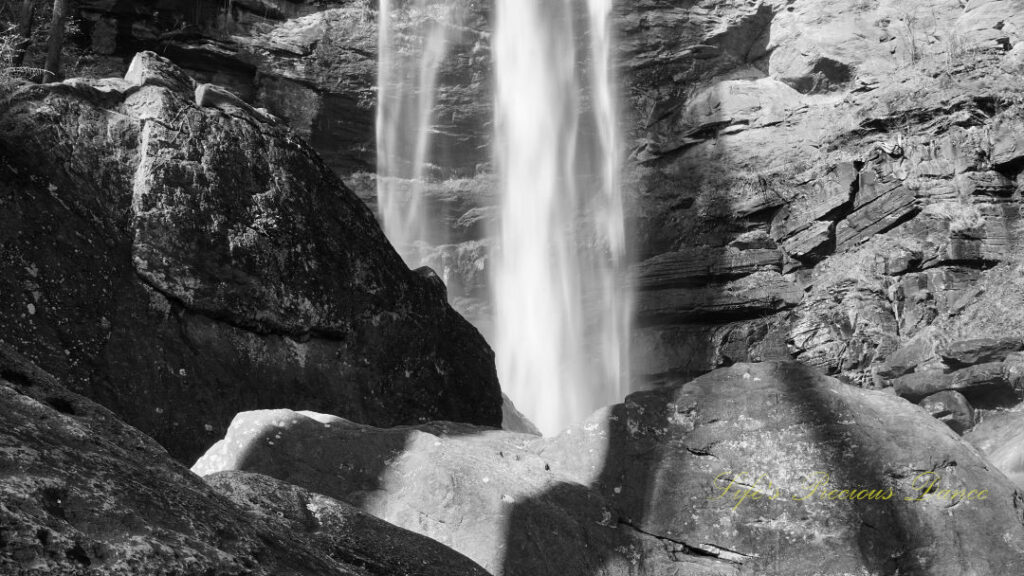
{"type": "Point", "coordinates": [822, 124]}
{"type": "Point", "coordinates": [880, 204]}
{"type": "Point", "coordinates": [633, 489]}
{"type": "Point", "coordinates": [693, 266]}
{"type": "Point", "coordinates": [341, 530]}
{"type": "Point", "coordinates": [180, 264]}
{"type": "Point", "coordinates": [916, 352]}
{"type": "Point", "coordinates": [661, 353]}
{"type": "Point", "coordinates": [83, 493]}
{"type": "Point", "coordinates": [994, 306]}
{"type": "Point", "coordinates": [1001, 438]}
{"type": "Point", "coordinates": [979, 351]}
{"type": "Point", "coordinates": [988, 22]}
{"type": "Point", "coordinates": [1013, 369]}
{"type": "Point", "coordinates": [952, 408]}
{"type": "Point", "coordinates": [846, 323]}
{"type": "Point", "coordinates": [884, 175]}
{"type": "Point", "coordinates": [812, 239]}
{"type": "Point", "coordinates": [761, 292]}
{"type": "Point", "coordinates": [982, 384]}
{"type": "Point", "coordinates": [923, 383]}
{"type": "Point", "coordinates": [311, 63]}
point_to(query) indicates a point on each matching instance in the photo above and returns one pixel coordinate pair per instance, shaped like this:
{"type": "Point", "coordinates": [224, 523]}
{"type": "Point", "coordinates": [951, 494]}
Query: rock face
{"type": "Point", "coordinates": [180, 264]}
{"type": "Point", "coordinates": [311, 63]}
{"type": "Point", "coordinates": [950, 378]}
{"type": "Point", "coordinates": [877, 158]}
{"type": "Point", "coordinates": [1001, 438]}
{"type": "Point", "coordinates": [952, 408]}
{"type": "Point", "coordinates": [644, 487]}
{"type": "Point", "coordinates": [84, 493]}
{"type": "Point", "coordinates": [978, 351]}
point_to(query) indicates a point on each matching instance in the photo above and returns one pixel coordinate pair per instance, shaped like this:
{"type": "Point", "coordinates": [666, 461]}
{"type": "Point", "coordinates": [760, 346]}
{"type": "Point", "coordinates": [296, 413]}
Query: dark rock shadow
{"type": "Point", "coordinates": [282, 440]}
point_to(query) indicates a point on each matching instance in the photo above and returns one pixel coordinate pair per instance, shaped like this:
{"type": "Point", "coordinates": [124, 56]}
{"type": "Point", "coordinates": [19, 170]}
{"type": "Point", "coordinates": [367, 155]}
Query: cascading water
{"type": "Point", "coordinates": [413, 39]}
{"type": "Point", "coordinates": [561, 309]}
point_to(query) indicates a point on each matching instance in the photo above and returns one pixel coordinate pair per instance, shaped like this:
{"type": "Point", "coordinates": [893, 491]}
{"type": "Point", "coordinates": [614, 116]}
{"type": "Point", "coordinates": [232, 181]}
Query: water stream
{"type": "Point", "coordinates": [558, 264]}
{"type": "Point", "coordinates": [413, 40]}
{"type": "Point", "coordinates": [561, 309]}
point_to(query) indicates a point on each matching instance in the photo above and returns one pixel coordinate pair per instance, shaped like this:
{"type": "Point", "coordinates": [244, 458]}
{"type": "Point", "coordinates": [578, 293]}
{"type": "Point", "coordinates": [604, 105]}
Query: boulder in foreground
{"type": "Point", "coordinates": [83, 493]}
{"type": "Point", "coordinates": [768, 469]}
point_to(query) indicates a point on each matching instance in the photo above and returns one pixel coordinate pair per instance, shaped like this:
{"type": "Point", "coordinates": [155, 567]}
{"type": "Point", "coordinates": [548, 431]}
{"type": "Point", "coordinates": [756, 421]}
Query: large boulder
{"type": "Point", "coordinates": [951, 407]}
{"type": "Point", "coordinates": [341, 530]}
{"type": "Point", "coordinates": [984, 383]}
{"type": "Point", "coordinates": [765, 469]}
{"type": "Point", "coordinates": [83, 493]}
{"type": "Point", "coordinates": [919, 351]}
{"type": "Point", "coordinates": [978, 351]}
{"type": "Point", "coordinates": [181, 263]}
{"type": "Point", "coordinates": [1001, 438]}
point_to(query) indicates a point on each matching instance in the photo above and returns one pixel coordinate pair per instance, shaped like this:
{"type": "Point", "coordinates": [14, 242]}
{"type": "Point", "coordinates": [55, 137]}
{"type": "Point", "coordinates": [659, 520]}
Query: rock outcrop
{"type": "Point", "coordinates": [764, 469]}
{"type": "Point", "coordinates": [180, 264]}
{"type": "Point", "coordinates": [83, 493]}
{"type": "Point", "coordinates": [953, 378]}
{"type": "Point", "coordinates": [311, 63]}
{"type": "Point", "coordinates": [870, 144]}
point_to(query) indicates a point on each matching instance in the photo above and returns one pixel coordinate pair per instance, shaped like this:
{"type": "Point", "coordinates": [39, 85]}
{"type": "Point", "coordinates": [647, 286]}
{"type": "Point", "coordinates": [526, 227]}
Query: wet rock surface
{"type": "Point", "coordinates": [83, 493]}
{"type": "Point", "coordinates": [180, 263]}
{"type": "Point", "coordinates": [633, 490]}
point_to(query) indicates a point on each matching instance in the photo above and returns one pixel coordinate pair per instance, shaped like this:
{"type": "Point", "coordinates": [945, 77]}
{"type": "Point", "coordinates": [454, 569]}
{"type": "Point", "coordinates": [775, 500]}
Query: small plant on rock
{"type": "Point", "coordinates": [958, 51]}
{"type": "Point", "coordinates": [8, 42]}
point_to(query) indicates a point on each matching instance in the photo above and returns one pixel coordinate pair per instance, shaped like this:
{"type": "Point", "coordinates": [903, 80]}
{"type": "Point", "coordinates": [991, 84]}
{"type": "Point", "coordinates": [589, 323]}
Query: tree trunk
{"type": "Point", "coordinates": [28, 12]}
{"type": "Point", "coordinates": [56, 44]}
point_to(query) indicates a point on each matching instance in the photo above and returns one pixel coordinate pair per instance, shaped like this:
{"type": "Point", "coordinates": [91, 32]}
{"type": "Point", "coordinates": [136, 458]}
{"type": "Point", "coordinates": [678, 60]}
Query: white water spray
{"type": "Point", "coordinates": [413, 40]}
{"type": "Point", "coordinates": [561, 309]}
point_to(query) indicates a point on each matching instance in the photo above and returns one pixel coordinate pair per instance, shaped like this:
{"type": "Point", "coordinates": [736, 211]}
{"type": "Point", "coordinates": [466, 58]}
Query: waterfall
{"type": "Point", "coordinates": [413, 39]}
{"type": "Point", "coordinates": [561, 309]}
{"type": "Point", "coordinates": [557, 271]}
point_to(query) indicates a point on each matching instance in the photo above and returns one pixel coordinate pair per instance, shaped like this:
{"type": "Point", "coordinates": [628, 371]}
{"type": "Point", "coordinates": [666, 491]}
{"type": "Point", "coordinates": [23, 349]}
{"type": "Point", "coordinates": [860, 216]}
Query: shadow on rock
{"type": "Point", "coordinates": [767, 469]}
